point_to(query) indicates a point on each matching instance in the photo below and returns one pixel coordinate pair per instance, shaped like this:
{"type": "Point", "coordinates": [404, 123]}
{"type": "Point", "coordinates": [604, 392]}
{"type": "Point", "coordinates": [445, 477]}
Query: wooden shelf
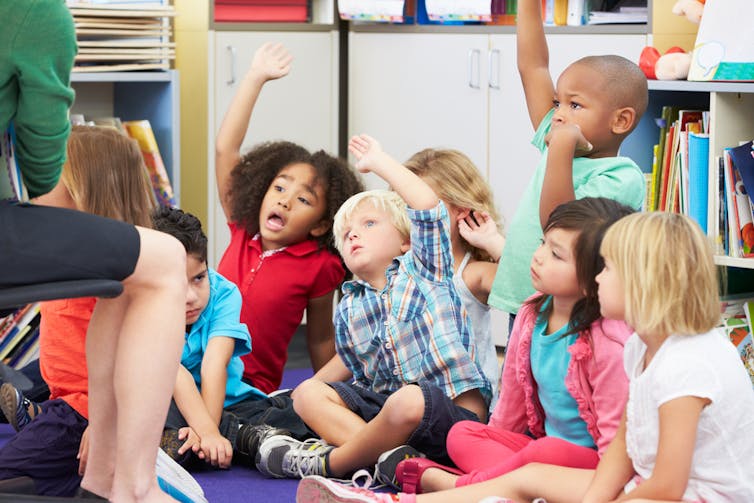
{"type": "Point", "coordinates": [703, 87]}
{"type": "Point", "coordinates": [744, 263]}
{"type": "Point", "coordinates": [161, 76]}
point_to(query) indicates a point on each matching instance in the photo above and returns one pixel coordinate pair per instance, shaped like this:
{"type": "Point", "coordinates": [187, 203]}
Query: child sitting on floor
{"type": "Point", "coordinates": [403, 338]}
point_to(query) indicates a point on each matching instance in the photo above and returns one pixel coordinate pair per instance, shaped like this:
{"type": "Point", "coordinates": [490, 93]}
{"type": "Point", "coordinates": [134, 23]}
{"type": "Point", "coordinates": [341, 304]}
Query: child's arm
{"type": "Point", "coordinates": [533, 60]}
{"type": "Point", "coordinates": [679, 419]}
{"type": "Point", "coordinates": [320, 331]}
{"type": "Point", "coordinates": [190, 402]}
{"type": "Point", "coordinates": [613, 471]}
{"type": "Point", "coordinates": [417, 194]}
{"type": "Point", "coordinates": [480, 231]}
{"type": "Point", "coordinates": [271, 61]}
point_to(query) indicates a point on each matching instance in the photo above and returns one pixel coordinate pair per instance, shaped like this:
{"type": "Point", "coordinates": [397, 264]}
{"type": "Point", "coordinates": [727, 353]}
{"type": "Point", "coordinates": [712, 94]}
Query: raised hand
{"type": "Point", "coordinates": [480, 231]}
{"type": "Point", "coordinates": [367, 151]}
{"type": "Point", "coordinates": [271, 61]}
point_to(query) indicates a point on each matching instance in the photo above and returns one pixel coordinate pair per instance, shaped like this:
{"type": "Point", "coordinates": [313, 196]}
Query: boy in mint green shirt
{"type": "Point", "coordinates": [580, 125]}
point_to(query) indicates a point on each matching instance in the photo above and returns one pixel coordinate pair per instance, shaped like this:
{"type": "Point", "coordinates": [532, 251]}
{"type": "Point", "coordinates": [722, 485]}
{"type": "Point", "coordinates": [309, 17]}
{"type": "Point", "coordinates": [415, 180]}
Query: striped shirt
{"type": "Point", "coordinates": [415, 329]}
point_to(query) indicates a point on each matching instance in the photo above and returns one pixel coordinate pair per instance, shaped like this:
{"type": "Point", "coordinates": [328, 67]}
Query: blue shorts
{"type": "Point", "coordinates": [440, 414]}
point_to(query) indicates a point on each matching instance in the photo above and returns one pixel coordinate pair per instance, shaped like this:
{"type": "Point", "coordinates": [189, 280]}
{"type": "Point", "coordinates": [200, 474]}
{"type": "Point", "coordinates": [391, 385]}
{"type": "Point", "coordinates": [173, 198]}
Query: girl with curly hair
{"type": "Point", "coordinates": [279, 200]}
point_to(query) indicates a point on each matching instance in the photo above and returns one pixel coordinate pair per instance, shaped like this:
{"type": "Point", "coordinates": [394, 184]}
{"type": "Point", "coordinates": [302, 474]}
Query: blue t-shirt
{"type": "Point", "coordinates": [220, 318]}
{"type": "Point", "coordinates": [549, 365]}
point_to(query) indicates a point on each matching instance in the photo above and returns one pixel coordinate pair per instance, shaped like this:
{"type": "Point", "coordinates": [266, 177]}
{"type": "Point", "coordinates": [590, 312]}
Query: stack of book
{"type": "Point", "coordinates": [733, 227]}
{"type": "Point", "coordinates": [121, 35]}
{"type": "Point", "coordinates": [19, 336]}
{"type": "Point", "coordinates": [737, 316]}
{"type": "Point", "coordinates": [679, 164]}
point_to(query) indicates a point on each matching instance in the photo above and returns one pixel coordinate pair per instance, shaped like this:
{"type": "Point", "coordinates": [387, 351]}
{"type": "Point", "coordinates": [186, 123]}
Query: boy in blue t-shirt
{"type": "Point", "coordinates": [580, 125]}
{"type": "Point", "coordinates": [213, 410]}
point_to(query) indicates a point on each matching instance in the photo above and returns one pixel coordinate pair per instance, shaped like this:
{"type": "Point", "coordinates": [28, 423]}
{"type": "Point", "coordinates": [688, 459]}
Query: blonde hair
{"type": "Point", "coordinates": [458, 183]}
{"type": "Point", "coordinates": [105, 175]}
{"type": "Point", "coordinates": [669, 276]}
{"type": "Point", "coordinates": [386, 200]}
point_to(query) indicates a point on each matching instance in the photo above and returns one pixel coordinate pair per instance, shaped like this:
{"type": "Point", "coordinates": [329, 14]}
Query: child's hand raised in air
{"type": "Point", "coordinates": [271, 61]}
{"type": "Point", "coordinates": [480, 231]}
{"type": "Point", "coordinates": [569, 133]}
{"type": "Point", "coordinates": [368, 152]}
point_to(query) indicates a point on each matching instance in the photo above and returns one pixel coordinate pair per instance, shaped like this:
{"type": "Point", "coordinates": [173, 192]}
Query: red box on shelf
{"type": "Point", "coordinates": [263, 11]}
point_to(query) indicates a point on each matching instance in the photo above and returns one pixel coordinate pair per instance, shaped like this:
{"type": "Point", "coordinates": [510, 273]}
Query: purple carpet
{"type": "Point", "coordinates": [239, 484]}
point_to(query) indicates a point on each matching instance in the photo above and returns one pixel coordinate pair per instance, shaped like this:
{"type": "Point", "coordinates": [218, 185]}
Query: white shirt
{"type": "Point", "coordinates": [707, 366]}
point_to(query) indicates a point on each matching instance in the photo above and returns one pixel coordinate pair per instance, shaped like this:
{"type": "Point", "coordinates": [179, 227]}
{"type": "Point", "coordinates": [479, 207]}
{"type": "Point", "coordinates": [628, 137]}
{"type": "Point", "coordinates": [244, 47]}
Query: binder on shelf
{"type": "Point", "coordinates": [698, 152]}
{"type": "Point", "coordinates": [263, 11]}
{"type": "Point", "coordinates": [384, 11]}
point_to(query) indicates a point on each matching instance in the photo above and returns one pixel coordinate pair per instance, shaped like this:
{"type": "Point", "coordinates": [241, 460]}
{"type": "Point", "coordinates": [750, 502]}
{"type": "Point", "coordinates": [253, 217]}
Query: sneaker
{"type": "Point", "coordinates": [251, 436]}
{"type": "Point", "coordinates": [18, 410]}
{"type": "Point", "coordinates": [281, 456]}
{"type": "Point", "coordinates": [384, 470]}
{"type": "Point", "coordinates": [317, 489]}
{"type": "Point", "coordinates": [170, 443]}
{"type": "Point", "coordinates": [176, 481]}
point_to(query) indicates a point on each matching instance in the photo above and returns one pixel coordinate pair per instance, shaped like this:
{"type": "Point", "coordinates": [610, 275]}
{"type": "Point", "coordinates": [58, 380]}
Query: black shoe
{"type": "Point", "coordinates": [170, 443]}
{"type": "Point", "coordinates": [82, 493]}
{"type": "Point", "coordinates": [251, 436]}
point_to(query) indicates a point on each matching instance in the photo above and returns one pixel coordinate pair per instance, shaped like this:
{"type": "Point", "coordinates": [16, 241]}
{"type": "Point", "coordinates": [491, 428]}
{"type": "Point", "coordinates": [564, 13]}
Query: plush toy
{"type": "Point", "coordinates": [692, 9]}
{"type": "Point", "coordinates": [675, 63]}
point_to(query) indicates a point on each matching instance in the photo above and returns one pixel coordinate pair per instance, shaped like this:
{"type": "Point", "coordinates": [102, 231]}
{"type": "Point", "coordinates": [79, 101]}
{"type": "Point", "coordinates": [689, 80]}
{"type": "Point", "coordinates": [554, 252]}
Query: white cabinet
{"type": "Point", "coordinates": [413, 91]}
{"type": "Point", "coordinates": [302, 107]}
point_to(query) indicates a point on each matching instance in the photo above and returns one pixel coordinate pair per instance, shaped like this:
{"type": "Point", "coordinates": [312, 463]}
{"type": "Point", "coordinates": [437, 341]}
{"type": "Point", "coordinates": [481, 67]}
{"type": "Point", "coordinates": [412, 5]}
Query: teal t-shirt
{"type": "Point", "coordinates": [617, 178]}
{"type": "Point", "coordinates": [550, 358]}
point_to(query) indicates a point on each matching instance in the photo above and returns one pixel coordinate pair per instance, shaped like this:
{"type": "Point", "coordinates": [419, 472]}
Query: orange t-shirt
{"type": "Point", "coordinates": [62, 350]}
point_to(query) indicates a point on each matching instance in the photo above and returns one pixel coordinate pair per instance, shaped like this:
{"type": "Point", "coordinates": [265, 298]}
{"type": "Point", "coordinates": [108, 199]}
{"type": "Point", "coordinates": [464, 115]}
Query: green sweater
{"type": "Point", "coordinates": [37, 47]}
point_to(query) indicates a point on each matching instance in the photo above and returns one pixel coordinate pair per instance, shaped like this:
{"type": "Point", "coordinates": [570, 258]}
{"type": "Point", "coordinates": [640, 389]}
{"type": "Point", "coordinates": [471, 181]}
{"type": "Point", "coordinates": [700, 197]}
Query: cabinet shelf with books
{"type": "Point", "coordinates": [134, 96]}
{"type": "Point", "coordinates": [731, 108]}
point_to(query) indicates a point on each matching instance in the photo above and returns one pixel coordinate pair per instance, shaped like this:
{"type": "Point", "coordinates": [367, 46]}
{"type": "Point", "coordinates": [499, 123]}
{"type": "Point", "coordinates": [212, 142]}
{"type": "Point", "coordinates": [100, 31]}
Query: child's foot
{"type": "Point", "coordinates": [18, 410]}
{"type": "Point", "coordinates": [280, 456]}
{"type": "Point", "coordinates": [388, 461]}
{"type": "Point", "coordinates": [251, 436]}
{"type": "Point", "coordinates": [321, 490]}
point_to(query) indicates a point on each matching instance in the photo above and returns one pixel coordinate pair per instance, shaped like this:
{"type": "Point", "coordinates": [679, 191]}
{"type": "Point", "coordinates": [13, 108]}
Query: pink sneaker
{"type": "Point", "coordinates": [316, 489]}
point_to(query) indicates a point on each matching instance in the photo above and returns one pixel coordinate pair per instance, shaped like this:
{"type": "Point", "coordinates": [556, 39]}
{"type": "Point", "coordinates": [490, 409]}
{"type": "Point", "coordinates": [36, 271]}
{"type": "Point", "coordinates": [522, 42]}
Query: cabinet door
{"type": "Point", "coordinates": [302, 107]}
{"type": "Point", "coordinates": [413, 91]}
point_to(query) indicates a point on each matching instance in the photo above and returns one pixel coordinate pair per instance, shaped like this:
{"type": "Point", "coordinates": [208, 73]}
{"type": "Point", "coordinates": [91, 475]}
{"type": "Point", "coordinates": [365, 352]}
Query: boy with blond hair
{"type": "Point", "coordinates": [402, 338]}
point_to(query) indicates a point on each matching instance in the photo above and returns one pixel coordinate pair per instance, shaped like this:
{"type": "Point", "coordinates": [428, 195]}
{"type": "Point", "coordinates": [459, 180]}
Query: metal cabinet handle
{"type": "Point", "coordinates": [474, 54]}
{"type": "Point", "coordinates": [232, 55]}
{"type": "Point", "coordinates": [494, 57]}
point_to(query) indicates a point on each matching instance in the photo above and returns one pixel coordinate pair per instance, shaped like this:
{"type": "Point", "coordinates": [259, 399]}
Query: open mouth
{"type": "Point", "coordinates": [275, 222]}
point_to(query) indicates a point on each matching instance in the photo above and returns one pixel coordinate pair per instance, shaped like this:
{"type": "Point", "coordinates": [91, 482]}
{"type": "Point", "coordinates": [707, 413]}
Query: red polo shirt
{"type": "Point", "coordinates": [276, 287]}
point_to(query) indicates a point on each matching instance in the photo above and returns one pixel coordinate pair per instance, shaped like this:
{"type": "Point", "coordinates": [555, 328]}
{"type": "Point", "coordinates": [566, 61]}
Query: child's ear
{"type": "Point", "coordinates": [320, 229]}
{"type": "Point", "coordinates": [406, 245]}
{"type": "Point", "coordinates": [623, 120]}
{"type": "Point", "coordinates": [463, 212]}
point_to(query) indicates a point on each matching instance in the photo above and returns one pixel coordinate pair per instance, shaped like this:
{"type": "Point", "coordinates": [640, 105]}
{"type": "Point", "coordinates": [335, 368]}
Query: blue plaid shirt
{"type": "Point", "coordinates": [415, 329]}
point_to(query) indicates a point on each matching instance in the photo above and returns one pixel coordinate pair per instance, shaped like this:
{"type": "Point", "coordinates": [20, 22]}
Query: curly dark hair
{"type": "Point", "coordinates": [256, 170]}
{"type": "Point", "coordinates": [183, 226]}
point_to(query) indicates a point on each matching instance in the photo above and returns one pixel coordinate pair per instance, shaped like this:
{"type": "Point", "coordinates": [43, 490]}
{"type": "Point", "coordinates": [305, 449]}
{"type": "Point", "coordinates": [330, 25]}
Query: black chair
{"type": "Point", "coordinates": [22, 488]}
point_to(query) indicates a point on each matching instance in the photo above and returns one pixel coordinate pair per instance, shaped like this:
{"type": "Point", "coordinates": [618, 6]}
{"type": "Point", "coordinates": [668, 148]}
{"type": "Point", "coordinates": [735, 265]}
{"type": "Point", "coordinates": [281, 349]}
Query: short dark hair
{"type": "Point", "coordinates": [183, 226]}
{"type": "Point", "coordinates": [590, 217]}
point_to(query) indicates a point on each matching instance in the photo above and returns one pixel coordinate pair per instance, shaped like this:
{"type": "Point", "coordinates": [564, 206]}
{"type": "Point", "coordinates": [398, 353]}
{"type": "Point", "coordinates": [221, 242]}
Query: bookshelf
{"type": "Point", "coordinates": [731, 106]}
{"type": "Point", "coordinates": [132, 96]}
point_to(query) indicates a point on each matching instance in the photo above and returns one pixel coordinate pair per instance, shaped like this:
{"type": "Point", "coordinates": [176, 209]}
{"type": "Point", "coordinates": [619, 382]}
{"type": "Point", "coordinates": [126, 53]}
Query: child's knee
{"type": "Point", "coordinates": [309, 394]}
{"type": "Point", "coordinates": [405, 406]}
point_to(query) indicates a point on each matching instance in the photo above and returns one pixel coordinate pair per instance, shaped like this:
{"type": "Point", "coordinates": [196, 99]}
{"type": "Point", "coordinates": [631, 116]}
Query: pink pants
{"type": "Point", "coordinates": [484, 452]}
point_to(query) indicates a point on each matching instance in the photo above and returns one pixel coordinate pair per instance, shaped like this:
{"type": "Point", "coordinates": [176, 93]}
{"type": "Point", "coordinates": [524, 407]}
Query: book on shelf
{"type": "Point", "coordinates": [23, 325]}
{"type": "Point", "coordinates": [737, 313]}
{"type": "Point", "coordinates": [12, 187]}
{"type": "Point", "coordinates": [698, 165]}
{"type": "Point", "coordinates": [141, 131]}
{"type": "Point", "coordinates": [20, 350]}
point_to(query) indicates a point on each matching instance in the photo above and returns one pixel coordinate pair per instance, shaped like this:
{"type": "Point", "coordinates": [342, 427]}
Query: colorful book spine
{"type": "Point", "coordinates": [142, 132]}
